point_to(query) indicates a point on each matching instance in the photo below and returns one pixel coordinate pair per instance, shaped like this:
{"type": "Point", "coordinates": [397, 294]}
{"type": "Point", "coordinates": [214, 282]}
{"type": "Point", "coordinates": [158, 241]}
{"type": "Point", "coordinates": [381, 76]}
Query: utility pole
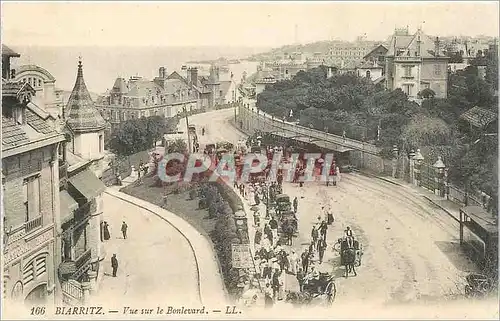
{"type": "Point", "coordinates": [187, 127]}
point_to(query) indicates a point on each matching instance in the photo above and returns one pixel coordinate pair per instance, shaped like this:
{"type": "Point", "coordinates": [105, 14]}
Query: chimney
{"type": "Point", "coordinates": [194, 76]}
{"type": "Point", "coordinates": [418, 45]}
{"type": "Point", "coordinates": [188, 76]}
{"type": "Point", "coordinates": [436, 47]}
{"type": "Point", "coordinates": [161, 72]}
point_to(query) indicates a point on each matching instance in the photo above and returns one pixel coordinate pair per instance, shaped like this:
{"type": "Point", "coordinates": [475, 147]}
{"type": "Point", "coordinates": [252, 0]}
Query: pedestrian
{"type": "Point", "coordinates": [256, 218]}
{"type": "Point", "coordinates": [295, 204]}
{"type": "Point", "coordinates": [107, 236]}
{"type": "Point", "coordinates": [124, 229]}
{"type": "Point", "coordinates": [256, 198]}
{"type": "Point", "coordinates": [323, 228]}
{"type": "Point", "coordinates": [314, 235]}
{"type": "Point", "coordinates": [321, 249]}
{"type": "Point", "coordinates": [139, 172]}
{"type": "Point", "coordinates": [329, 217]}
{"type": "Point", "coordinates": [337, 170]}
{"type": "Point", "coordinates": [293, 259]}
{"type": "Point", "coordinates": [300, 279]}
{"type": "Point", "coordinates": [275, 284]}
{"type": "Point", "coordinates": [114, 264]}
{"type": "Point", "coordinates": [258, 236]}
{"type": "Point", "coordinates": [305, 260]}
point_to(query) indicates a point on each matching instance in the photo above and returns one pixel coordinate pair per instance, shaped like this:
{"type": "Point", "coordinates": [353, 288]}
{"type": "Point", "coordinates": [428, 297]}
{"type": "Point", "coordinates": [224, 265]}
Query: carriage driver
{"type": "Point", "coordinates": [312, 279]}
{"type": "Point", "coordinates": [349, 236]}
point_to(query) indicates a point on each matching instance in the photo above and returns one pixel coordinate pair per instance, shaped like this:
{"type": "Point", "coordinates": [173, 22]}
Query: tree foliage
{"type": "Point", "coordinates": [138, 134]}
{"type": "Point", "coordinates": [354, 106]}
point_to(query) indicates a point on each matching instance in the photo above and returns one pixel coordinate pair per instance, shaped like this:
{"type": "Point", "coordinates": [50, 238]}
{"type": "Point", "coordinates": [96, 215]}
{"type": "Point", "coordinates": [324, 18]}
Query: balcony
{"type": "Point", "coordinates": [33, 224]}
{"type": "Point", "coordinates": [407, 59]}
{"type": "Point", "coordinates": [72, 292]}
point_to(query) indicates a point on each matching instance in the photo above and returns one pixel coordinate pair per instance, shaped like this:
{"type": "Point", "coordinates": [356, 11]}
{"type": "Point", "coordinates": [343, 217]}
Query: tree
{"type": "Point", "coordinates": [423, 130]}
{"type": "Point", "coordinates": [177, 146]}
{"type": "Point", "coordinates": [138, 134]}
{"type": "Point", "coordinates": [426, 93]}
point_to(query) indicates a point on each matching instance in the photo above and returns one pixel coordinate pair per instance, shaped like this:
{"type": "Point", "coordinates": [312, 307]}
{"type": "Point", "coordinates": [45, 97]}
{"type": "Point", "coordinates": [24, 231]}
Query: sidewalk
{"type": "Point", "coordinates": [450, 207]}
{"type": "Point", "coordinates": [206, 279]}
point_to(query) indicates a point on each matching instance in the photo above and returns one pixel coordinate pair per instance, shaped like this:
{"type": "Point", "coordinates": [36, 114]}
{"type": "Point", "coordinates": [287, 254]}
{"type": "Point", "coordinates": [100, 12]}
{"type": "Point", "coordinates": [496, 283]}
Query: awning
{"type": "Point", "coordinates": [68, 205]}
{"type": "Point", "coordinates": [87, 184]}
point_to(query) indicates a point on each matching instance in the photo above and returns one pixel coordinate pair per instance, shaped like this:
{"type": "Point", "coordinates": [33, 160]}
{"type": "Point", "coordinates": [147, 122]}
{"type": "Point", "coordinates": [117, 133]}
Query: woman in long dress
{"type": "Point", "coordinates": [107, 236]}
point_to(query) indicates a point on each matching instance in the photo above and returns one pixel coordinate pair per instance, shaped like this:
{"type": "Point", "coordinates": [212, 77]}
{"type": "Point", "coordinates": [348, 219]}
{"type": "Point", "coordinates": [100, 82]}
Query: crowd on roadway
{"type": "Point", "coordinates": [273, 257]}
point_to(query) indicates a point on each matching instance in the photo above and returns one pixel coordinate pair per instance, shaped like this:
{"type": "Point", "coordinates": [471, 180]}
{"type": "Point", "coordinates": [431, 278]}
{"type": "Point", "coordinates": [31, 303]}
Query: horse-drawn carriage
{"type": "Point", "coordinates": [288, 226]}
{"type": "Point", "coordinates": [321, 288]}
{"type": "Point", "coordinates": [283, 203]}
{"type": "Point", "coordinates": [351, 252]}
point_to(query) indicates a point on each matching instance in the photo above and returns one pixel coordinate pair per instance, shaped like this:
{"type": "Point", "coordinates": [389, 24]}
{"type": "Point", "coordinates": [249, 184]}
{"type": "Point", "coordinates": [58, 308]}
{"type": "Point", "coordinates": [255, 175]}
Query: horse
{"type": "Point", "coordinates": [288, 232]}
{"type": "Point", "coordinates": [348, 260]}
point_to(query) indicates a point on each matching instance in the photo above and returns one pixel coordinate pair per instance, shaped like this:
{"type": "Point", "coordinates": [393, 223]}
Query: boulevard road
{"type": "Point", "coordinates": [410, 247]}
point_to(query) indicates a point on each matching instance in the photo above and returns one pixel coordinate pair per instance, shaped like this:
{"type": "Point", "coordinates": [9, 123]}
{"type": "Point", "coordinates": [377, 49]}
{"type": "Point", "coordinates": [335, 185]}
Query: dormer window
{"type": "Point", "coordinates": [20, 115]}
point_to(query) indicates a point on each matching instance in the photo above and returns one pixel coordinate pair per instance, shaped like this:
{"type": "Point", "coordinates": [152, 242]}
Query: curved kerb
{"type": "Point", "coordinates": [180, 230]}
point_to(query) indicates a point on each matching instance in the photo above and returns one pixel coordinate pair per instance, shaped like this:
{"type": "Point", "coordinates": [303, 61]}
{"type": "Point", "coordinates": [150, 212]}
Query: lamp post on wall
{"type": "Point", "coordinates": [395, 153]}
{"type": "Point", "coordinates": [411, 156]}
{"type": "Point", "coordinates": [439, 166]}
{"type": "Point", "coordinates": [418, 162]}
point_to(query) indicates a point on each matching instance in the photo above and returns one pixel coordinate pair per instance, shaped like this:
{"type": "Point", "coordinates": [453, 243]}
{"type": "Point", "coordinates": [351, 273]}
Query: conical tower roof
{"type": "Point", "coordinates": [81, 114]}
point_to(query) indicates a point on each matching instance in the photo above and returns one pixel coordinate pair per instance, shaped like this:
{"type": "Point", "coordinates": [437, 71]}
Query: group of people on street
{"type": "Point", "coordinates": [106, 235]}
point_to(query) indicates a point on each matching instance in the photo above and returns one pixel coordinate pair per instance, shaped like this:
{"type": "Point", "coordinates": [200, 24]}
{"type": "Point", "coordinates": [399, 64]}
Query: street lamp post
{"type": "Point", "coordinates": [418, 162]}
{"type": "Point", "coordinates": [395, 152]}
{"type": "Point", "coordinates": [439, 166]}
{"type": "Point", "coordinates": [411, 156]}
{"type": "Point", "coordinates": [187, 127]}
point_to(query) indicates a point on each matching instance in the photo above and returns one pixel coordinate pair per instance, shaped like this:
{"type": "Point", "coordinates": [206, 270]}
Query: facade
{"type": "Point", "coordinates": [81, 160]}
{"type": "Point", "coordinates": [138, 97]}
{"type": "Point", "coordinates": [7, 54]}
{"type": "Point", "coordinates": [47, 97]}
{"type": "Point", "coordinates": [30, 181]}
{"type": "Point", "coordinates": [370, 70]}
{"type": "Point", "coordinates": [415, 62]}
{"type": "Point", "coordinates": [229, 90]}
{"type": "Point", "coordinates": [347, 51]}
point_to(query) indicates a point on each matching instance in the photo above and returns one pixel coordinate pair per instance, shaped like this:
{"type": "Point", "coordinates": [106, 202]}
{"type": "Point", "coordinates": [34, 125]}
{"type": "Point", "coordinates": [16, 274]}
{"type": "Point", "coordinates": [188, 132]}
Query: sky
{"type": "Point", "coordinates": [253, 24]}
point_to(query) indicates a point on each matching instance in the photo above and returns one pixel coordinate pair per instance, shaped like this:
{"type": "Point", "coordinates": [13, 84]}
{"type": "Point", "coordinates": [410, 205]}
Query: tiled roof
{"type": "Point", "coordinates": [224, 87]}
{"type": "Point", "coordinates": [12, 133]}
{"type": "Point", "coordinates": [80, 110]}
{"type": "Point", "coordinates": [374, 50]}
{"type": "Point", "coordinates": [38, 124]}
{"type": "Point", "coordinates": [6, 51]}
{"type": "Point", "coordinates": [12, 88]}
{"type": "Point", "coordinates": [479, 117]}
{"type": "Point", "coordinates": [120, 85]}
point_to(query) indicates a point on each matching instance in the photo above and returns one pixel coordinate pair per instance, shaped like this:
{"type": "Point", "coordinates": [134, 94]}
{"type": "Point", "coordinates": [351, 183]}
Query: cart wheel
{"type": "Point", "coordinates": [331, 291]}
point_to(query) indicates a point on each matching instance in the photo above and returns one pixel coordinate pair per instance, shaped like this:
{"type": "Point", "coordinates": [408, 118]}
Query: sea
{"type": "Point", "coordinates": [102, 65]}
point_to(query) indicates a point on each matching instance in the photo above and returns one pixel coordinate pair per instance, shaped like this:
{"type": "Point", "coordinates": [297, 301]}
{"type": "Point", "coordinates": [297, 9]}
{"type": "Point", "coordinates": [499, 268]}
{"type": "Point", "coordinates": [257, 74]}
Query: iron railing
{"type": "Point", "coordinates": [33, 224]}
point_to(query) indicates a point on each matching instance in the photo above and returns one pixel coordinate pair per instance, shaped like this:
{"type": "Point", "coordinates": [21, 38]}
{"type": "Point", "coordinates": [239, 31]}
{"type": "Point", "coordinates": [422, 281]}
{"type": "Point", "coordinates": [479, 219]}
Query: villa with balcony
{"type": "Point", "coordinates": [30, 182]}
{"type": "Point", "coordinates": [416, 62]}
{"type": "Point", "coordinates": [80, 160]}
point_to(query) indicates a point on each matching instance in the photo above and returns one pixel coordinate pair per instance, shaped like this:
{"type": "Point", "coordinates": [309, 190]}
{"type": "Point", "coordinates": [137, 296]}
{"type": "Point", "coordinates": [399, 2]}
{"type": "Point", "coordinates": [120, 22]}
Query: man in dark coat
{"type": "Point", "coordinates": [321, 249]}
{"type": "Point", "coordinates": [305, 260]}
{"type": "Point", "coordinates": [295, 204]}
{"type": "Point", "coordinates": [124, 230]}
{"type": "Point", "coordinates": [300, 279]}
{"type": "Point", "coordinates": [114, 264]}
{"type": "Point", "coordinates": [323, 228]}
